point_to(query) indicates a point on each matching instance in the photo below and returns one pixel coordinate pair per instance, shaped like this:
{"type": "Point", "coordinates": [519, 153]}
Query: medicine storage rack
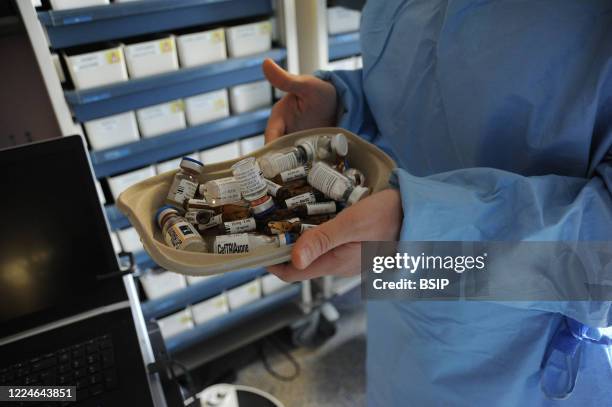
{"type": "Point", "coordinates": [60, 29]}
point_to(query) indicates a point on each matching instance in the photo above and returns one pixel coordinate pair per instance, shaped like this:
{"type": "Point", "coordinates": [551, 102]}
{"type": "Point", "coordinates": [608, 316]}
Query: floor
{"type": "Point", "coordinates": [331, 375]}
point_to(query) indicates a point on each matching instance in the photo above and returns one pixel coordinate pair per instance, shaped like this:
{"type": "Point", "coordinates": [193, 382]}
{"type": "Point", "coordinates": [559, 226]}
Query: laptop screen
{"type": "Point", "coordinates": [54, 242]}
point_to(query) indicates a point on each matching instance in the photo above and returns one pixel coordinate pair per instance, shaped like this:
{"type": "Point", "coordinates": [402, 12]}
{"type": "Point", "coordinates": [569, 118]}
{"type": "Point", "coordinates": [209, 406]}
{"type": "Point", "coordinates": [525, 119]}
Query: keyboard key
{"type": "Point", "coordinates": [65, 378]}
{"type": "Point", "coordinates": [22, 371]}
{"type": "Point", "coordinates": [81, 383]}
{"type": "Point", "coordinates": [30, 379]}
{"type": "Point", "coordinates": [79, 373]}
{"type": "Point", "coordinates": [63, 357]}
{"type": "Point", "coordinates": [64, 368]}
{"type": "Point", "coordinates": [44, 364]}
{"type": "Point", "coordinates": [92, 346]}
{"type": "Point", "coordinates": [93, 368]}
{"type": "Point", "coordinates": [93, 358]}
{"type": "Point", "coordinates": [110, 379]}
{"type": "Point", "coordinates": [48, 377]}
{"type": "Point", "coordinates": [108, 359]}
{"type": "Point", "coordinates": [96, 378]}
{"type": "Point", "coordinates": [96, 389]}
{"type": "Point", "coordinates": [106, 342]}
{"type": "Point", "coordinates": [78, 363]}
{"type": "Point", "coordinates": [78, 353]}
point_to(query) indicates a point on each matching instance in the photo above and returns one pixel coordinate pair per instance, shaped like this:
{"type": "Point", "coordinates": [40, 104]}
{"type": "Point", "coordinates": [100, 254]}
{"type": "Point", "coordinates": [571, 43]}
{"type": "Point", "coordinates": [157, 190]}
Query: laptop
{"type": "Point", "coordinates": [66, 318]}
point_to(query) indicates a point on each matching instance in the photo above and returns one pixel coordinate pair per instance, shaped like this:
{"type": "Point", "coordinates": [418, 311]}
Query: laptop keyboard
{"type": "Point", "coordinates": [89, 365]}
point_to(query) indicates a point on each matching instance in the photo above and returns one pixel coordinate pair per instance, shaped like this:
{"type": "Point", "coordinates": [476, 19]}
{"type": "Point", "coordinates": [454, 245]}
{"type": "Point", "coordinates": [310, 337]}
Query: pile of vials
{"type": "Point", "coordinates": [268, 202]}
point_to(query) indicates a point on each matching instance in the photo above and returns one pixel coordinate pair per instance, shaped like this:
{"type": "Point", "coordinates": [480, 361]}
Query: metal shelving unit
{"type": "Point", "coordinates": [63, 29]}
{"type": "Point", "coordinates": [67, 28]}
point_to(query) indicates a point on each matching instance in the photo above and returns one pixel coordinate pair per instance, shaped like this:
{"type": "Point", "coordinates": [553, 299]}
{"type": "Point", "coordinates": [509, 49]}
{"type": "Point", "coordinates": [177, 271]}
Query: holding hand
{"type": "Point", "coordinates": [334, 248]}
{"type": "Point", "coordinates": [310, 102]}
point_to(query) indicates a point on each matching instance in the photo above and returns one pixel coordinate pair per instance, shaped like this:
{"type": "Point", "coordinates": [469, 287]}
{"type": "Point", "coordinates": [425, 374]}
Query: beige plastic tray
{"type": "Point", "coordinates": [140, 202]}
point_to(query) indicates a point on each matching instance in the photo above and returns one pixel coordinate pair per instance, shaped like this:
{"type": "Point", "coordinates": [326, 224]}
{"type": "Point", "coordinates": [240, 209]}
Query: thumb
{"type": "Point", "coordinates": [279, 78]}
{"type": "Point", "coordinates": [320, 240]}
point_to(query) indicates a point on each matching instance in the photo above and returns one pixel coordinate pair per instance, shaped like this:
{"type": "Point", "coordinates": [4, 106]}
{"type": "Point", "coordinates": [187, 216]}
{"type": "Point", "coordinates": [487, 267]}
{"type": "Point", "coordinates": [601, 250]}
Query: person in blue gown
{"type": "Point", "coordinates": [499, 116]}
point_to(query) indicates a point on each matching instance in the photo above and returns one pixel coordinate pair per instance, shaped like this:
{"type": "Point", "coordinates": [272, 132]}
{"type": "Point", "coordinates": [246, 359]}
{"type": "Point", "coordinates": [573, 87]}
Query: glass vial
{"type": "Point", "coordinates": [294, 174]}
{"type": "Point", "coordinates": [178, 232]}
{"type": "Point", "coordinates": [185, 182]}
{"type": "Point", "coordinates": [335, 185]}
{"type": "Point", "coordinates": [248, 174]}
{"type": "Point", "coordinates": [327, 146]}
{"type": "Point", "coordinates": [221, 191]}
{"type": "Point", "coordinates": [286, 159]}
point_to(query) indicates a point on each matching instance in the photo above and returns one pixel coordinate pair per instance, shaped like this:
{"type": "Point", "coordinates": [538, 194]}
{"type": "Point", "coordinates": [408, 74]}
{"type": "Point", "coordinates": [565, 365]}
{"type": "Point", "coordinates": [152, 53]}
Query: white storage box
{"type": "Point", "coordinates": [97, 68]}
{"type": "Point", "coordinates": [250, 96]}
{"type": "Point", "coordinates": [173, 164]}
{"type": "Point", "coordinates": [130, 241]}
{"type": "Point", "coordinates": [341, 20]}
{"type": "Point", "coordinates": [249, 39]}
{"type": "Point", "coordinates": [192, 280]}
{"type": "Point", "coordinates": [244, 294]}
{"type": "Point", "coordinates": [220, 153]}
{"type": "Point", "coordinates": [112, 130]}
{"type": "Point", "coordinates": [358, 62]}
{"type": "Point", "coordinates": [66, 4]}
{"type": "Point", "coordinates": [248, 145]}
{"type": "Point", "coordinates": [201, 48]}
{"type": "Point", "coordinates": [162, 118]}
{"type": "Point", "coordinates": [151, 57]}
{"type": "Point", "coordinates": [122, 182]}
{"type": "Point", "coordinates": [207, 107]}
{"type": "Point", "coordinates": [209, 309]}
{"type": "Point", "coordinates": [270, 284]}
{"type": "Point", "coordinates": [159, 284]}
{"type": "Point", "coordinates": [341, 64]}
{"type": "Point", "coordinates": [175, 324]}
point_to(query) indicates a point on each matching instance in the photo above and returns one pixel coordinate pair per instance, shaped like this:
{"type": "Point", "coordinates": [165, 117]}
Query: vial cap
{"type": "Point", "coordinates": [163, 211]}
{"type": "Point", "coordinates": [265, 164]}
{"type": "Point", "coordinates": [339, 145]}
{"type": "Point", "coordinates": [286, 239]}
{"type": "Point", "coordinates": [192, 164]}
{"type": "Point", "coordinates": [357, 194]}
{"type": "Point", "coordinates": [263, 208]}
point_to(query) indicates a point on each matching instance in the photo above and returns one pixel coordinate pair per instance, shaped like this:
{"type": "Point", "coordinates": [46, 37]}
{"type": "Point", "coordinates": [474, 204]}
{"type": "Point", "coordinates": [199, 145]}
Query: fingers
{"type": "Point", "coordinates": [281, 79]}
{"type": "Point", "coordinates": [342, 261]}
{"type": "Point", "coordinates": [276, 122]}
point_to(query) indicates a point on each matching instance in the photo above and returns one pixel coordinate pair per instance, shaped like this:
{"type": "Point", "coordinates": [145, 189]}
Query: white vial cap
{"type": "Point", "coordinates": [308, 148]}
{"type": "Point", "coordinates": [263, 207]}
{"type": "Point", "coordinates": [192, 164]}
{"type": "Point", "coordinates": [339, 144]}
{"type": "Point", "coordinates": [357, 194]}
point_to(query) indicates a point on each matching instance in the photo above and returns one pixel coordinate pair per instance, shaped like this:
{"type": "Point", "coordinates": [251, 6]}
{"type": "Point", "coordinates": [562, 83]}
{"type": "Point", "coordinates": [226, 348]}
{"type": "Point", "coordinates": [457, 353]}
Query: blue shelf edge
{"type": "Point", "coordinates": [198, 292]}
{"type": "Point", "coordinates": [116, 219]}
{"type": "Point", "coordinates": [213, 327]}
{"type": "Point", "coordinates": [67, 28]}
{"type": "Point", "coordinates": [90, 104]}
{"type": "Point", "coordinates": [343, 45]}
{"type": "Point", "coordinates": [156, 149]}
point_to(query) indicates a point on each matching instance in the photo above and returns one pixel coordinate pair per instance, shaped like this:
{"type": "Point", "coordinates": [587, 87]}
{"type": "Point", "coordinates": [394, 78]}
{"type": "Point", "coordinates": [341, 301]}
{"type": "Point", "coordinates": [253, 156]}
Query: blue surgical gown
{"type": "Point", "coordinates": [499, 115]}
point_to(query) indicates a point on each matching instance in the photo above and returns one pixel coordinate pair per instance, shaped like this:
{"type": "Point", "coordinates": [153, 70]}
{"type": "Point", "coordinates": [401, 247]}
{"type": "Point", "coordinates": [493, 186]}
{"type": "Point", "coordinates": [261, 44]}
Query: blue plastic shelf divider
{"type": "Point", "coordinates": [197, 292]}
{"type": "Point", "coordinates": [67, 28]}
{"type": "Point", "coordinates": [89, 104]}
{"type": "Point", "coordinates": [215, 326]}
{"type": "Point", "coordinates": [150, 150]}
{"type": "Point", "coordinates": [343, 45]}
{"type": "Point", "coordinates": [143, 261]}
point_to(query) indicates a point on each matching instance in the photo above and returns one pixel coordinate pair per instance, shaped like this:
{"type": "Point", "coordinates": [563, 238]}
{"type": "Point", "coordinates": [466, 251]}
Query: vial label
{"type": "Point", "coordinates": [292, 175]}
{"type": "Point", "coordinates": [184, 190]}
{"type": "Point", "coordinates": [324, 179]}
{"type": "Point", "coordinates": [194, 204]}
{"type": "Point", "coordinates": [273, 187]}
{"type": "Point", "coordinates": [251, 182]}
{"type": "Point", "coordinates": [231, 244]}
{"type": "Point", "coordinates": [181, 233]}
{"type": "Point", "coordinates": [284, 162]}
{"type": "Point", "coordinates": [320, 208]}
{"type": "Point", "coordinates": [240, 226]}
{"type": "Point", "coordinates": [301, 199]}
{"type": "Point", "coordinates": [222, 190]}
{"type": "Point", "coordinates": [213, 222]}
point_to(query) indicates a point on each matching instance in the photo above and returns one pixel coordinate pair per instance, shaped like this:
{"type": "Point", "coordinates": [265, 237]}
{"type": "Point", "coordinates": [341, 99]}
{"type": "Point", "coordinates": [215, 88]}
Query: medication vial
{"type": "Point", "coordinates": [178, 232]}
{"type": "Point", "coordinates": [249, 177]}
{"type": "Point", "coordinates": [335, 185]}
{"type": "Point", "coordinates": [246, 242]}
{"type": "Point", "coordinates": [185, 182]}
{"type": "Point", "coordinates": [326, 147]}
{"type": "Point", "coordinates": [274, 163]}
{"type": "Point", "coordinates": [221, 191]}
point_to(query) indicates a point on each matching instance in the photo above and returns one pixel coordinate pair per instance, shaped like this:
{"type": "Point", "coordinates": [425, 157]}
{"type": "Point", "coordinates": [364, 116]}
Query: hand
{"type": "Point", "coordinates": [334, 247]}
{"type": "Point", "coordinates": [309, 102]}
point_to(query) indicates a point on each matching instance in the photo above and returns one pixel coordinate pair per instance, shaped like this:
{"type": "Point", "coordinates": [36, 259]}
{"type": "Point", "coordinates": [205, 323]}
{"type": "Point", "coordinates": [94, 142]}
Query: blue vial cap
{"type": "Point", "coordinates": [159, 212]}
